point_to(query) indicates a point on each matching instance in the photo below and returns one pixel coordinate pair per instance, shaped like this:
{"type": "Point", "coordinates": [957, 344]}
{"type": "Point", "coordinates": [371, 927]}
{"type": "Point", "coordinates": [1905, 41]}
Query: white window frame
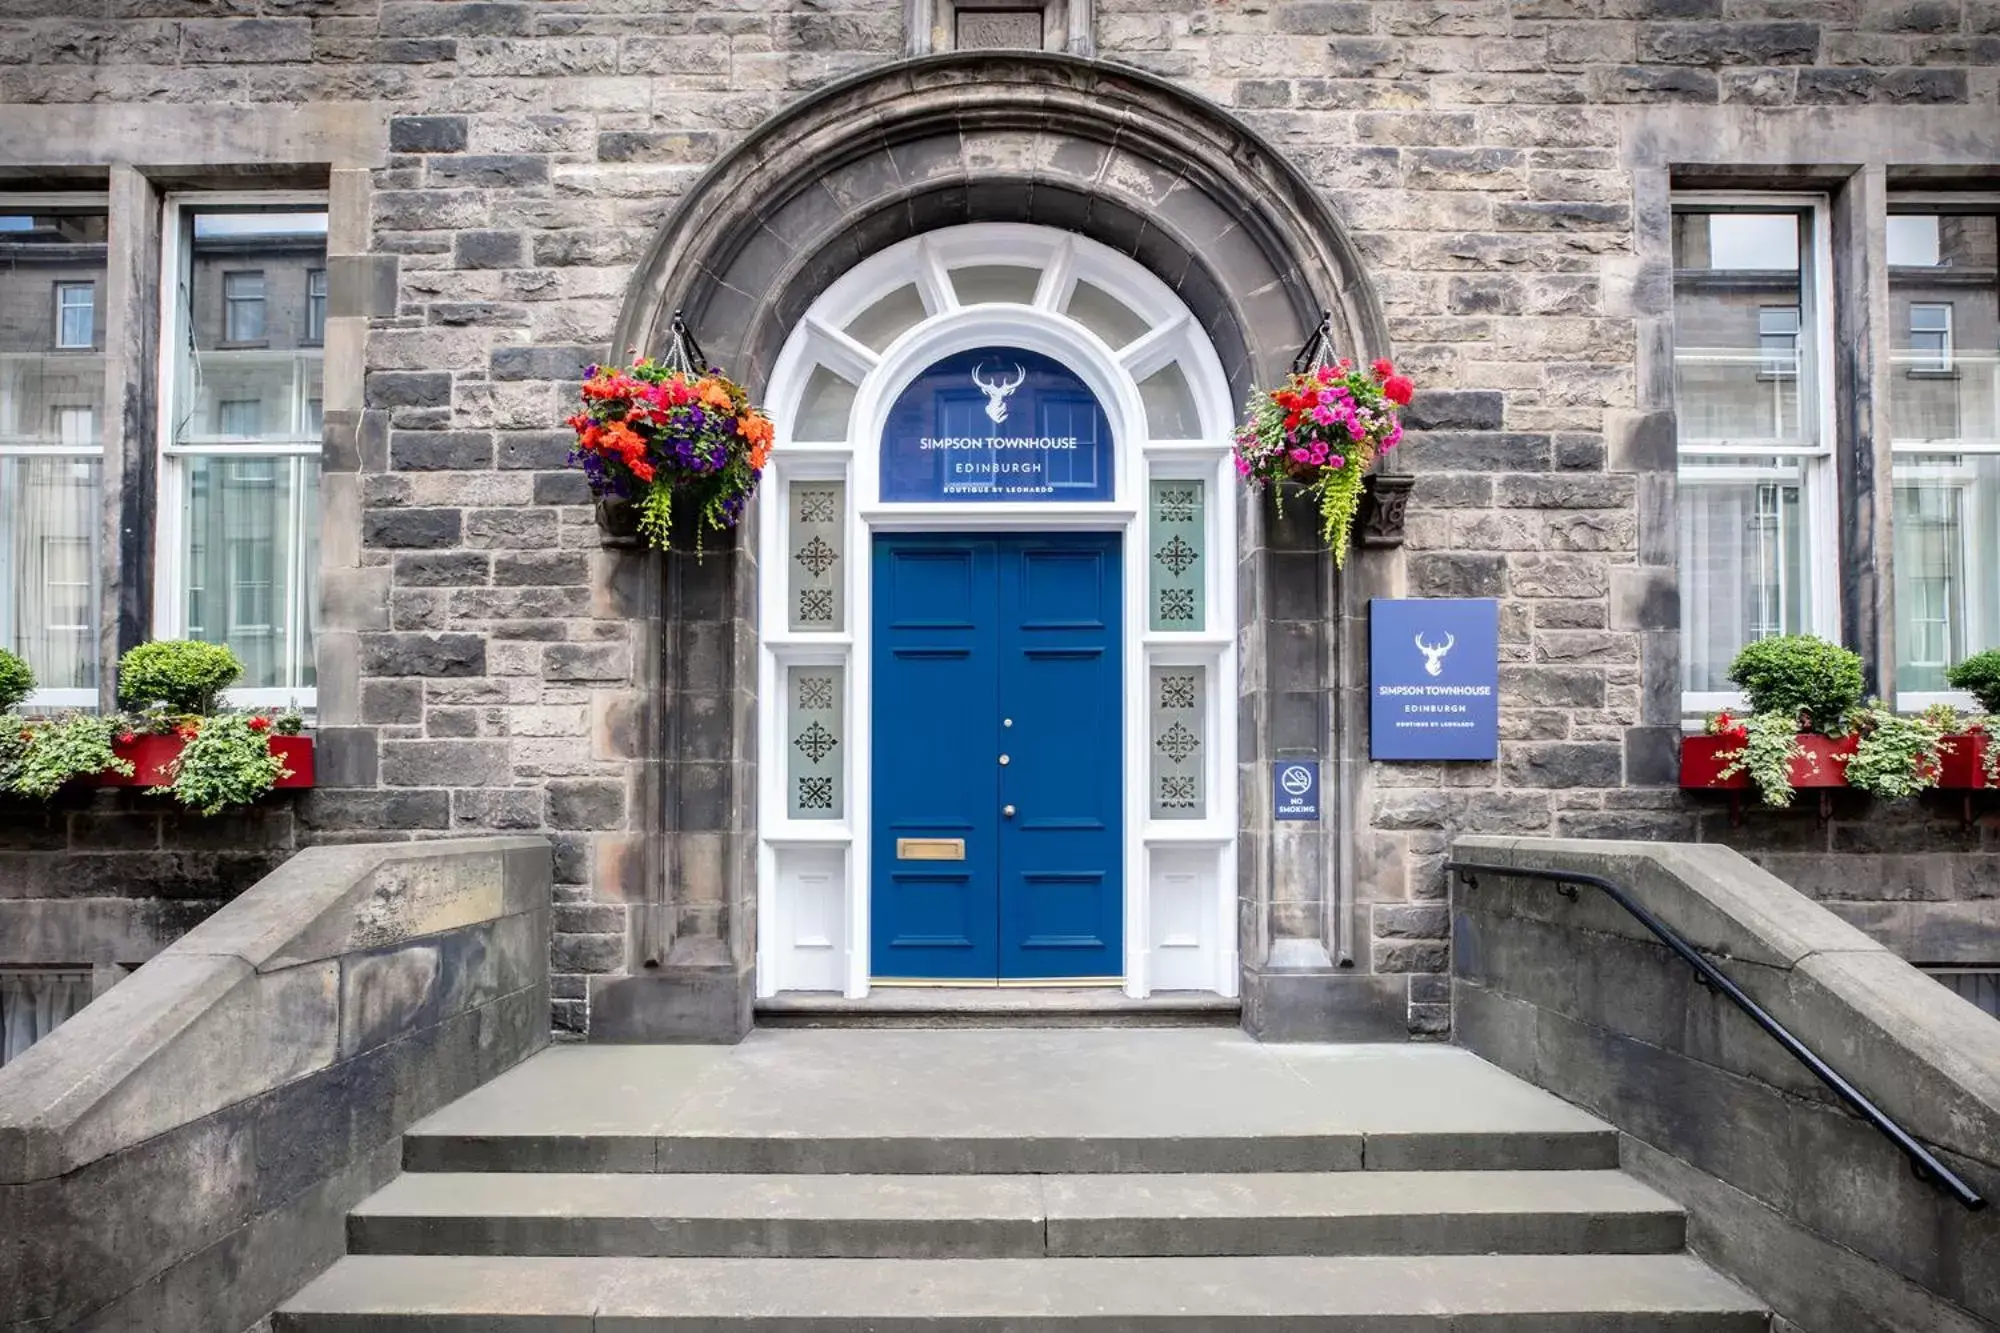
{"type": "Point", "coordinates": [1155, 851]}
{"type": "Point", "coordinates": [1819, 491]}
{"type": "Point", "coordinates": [170, 573]}
{"type": "Point", "coordinates": [1941, 363]}
{"type": "Point", "coordinates": [65, 290]}
{"type": "Point", "coordinates": [1780, 370]}
{"type": "Point", "coordinates": [316, 289]}
{"type": "Point", "coordinates": [46, 698]}
{"type": "Point", "coordinates": [231, 302]}
{"type": "Point", "coordinates": [1973, 515]}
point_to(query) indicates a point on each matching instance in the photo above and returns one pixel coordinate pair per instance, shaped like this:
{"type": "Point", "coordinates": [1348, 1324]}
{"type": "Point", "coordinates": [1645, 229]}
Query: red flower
{"type": "Point", "coordinates": [1398, 389]}
{"type": "Point", "coordinates": [1383, 370]}
{"type": "Point", "coordinates": [188, 730]}
{"type": "Point", "coordinates": [126, 738]}
{"type": "Point", "coordinates": [259, 723]}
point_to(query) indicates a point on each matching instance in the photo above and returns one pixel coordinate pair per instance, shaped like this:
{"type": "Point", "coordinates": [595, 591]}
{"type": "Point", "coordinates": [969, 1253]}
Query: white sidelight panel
{"type": "Point", "coordinates": [1184, 936]}
{"type": "Point", "coordinates": [811, 924]}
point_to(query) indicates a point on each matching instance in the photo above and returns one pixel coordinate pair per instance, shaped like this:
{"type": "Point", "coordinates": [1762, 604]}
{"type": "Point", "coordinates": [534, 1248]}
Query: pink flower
{"type": "Point", "coordinates": [1393, 438]}
{"type": "Point", "coordinates": [1323, 415]}
{"type": "Point", "coordinates": [1337, 462]}
{"type": "Point", "coordinates": [1326, 374]}
{"type": "Point", "coordinates": [1301, 456]}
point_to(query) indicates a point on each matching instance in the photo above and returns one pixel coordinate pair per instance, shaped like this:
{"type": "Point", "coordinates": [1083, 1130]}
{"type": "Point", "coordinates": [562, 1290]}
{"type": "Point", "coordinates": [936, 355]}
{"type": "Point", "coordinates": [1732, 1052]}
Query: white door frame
{"type": "Point", "coordinates": [814, 875]}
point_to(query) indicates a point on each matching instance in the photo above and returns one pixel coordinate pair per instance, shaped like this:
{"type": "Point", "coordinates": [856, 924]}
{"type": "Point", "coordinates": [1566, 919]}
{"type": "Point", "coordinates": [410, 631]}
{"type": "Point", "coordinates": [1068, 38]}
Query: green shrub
{"type": "Point", "coordinates": [180, 675]}
{"type": "Point", "coordinates": [17, 679]}
{"type": "Point", "coordinates": [226, 762]}
{"type": "Point", "coordinates": [1800, 677]}
{"type": "Point", "coordinates": [1979, 675]}
{"type": "Point", "coordinates": [75, 746]}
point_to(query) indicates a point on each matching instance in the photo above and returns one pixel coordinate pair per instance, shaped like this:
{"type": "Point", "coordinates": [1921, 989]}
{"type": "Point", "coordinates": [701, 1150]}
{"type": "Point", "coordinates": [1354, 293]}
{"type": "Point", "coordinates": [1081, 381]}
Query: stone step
{"type": "Point", "coordinates": [1014, 1154]}
{"type": "Point", "coordinates": [999, 1007]}
{"type": "Point", "coordinates": [1496, 1294]}
{"type": "Point", "coordinates": [1044, 1101]}
{"type": "Point", "coordinates": [949, 1217]}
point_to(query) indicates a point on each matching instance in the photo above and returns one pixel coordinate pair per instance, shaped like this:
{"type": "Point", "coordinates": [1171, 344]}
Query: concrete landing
{"type": "Point", "coordinates": [1007, 1101]}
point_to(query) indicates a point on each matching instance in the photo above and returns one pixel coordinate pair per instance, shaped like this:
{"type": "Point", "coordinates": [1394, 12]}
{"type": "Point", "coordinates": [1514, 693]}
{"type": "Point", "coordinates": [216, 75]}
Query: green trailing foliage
{"type": "Point", "coordinates": [17, 681]}
{"type": "Point", "coordinates": [1813, 682]}
{"type": "Point", "coordinates": [225, 761]}
{"type": "Point", "coordinates": [1979, 676]}
{"type": "Point", "coordinates": [1898, 755]}
{"type": "Point", "coordinates": [76, 745]}
{"type": "Point", "coordinates": [1769, 742]}
{"type": "Point", "coordinates": [176, 676]}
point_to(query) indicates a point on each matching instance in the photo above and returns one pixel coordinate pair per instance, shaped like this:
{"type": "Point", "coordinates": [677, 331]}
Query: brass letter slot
{"type": "Point", "coordinates": [930, 849]}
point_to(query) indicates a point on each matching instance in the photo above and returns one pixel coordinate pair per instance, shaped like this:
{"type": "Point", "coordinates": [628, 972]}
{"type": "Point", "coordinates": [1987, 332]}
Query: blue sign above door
{"type": "Point", "coordinates": [997, 423]}
{"type": "Point", "coordinates": [1434, 678]}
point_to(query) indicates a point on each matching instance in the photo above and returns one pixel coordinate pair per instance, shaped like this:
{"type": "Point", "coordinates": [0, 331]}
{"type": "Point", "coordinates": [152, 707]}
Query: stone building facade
{"type": "Point", "coordinates": [515, 190]}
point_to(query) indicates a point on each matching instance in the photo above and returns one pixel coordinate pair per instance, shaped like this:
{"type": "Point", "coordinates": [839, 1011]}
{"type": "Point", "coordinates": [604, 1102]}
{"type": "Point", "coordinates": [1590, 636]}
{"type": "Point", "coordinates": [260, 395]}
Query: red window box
{"type": "Point", "coordinates": [151, 755]}
{"type": "Point", "coordinates": [1821, 762]}
{"type": "Point", "coordinates": [1964, 766]}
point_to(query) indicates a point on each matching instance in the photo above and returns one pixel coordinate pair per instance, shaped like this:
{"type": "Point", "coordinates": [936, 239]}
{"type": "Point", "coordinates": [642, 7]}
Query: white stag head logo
{"type": "Point", "coordinates": [997, 394]}
{"type": "Point", "coordinates": [1434, 656]}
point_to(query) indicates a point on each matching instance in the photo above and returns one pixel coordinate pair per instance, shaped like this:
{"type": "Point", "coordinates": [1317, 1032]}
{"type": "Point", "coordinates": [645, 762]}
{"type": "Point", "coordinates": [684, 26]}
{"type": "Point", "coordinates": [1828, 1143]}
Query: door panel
{"type": "Point", "coordinates": [1061, 893]}
{"type": "Point", "coordinates": [934, 778]}
{"type": "Point", "coordinates": [984, 647]}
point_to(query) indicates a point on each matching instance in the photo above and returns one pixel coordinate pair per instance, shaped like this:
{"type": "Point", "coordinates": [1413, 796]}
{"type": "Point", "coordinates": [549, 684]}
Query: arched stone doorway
{"type": "Point", "coordinates": [1106, 154]}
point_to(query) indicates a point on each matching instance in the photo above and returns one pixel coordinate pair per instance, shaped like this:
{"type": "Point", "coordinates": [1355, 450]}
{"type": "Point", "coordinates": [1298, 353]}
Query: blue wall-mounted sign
{"type": "Point", "coordinates": [1434, 678]}
{"type": "Point", "coordinates": [1295, 789]}
{"type": "Point", "coordinates": [997, 423]}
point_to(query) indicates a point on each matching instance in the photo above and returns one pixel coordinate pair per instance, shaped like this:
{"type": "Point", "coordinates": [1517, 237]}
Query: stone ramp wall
{"type": "Point", "coordinates": [1790, 1193]}
{"type": "Point", "coordinates": [182, 1154]}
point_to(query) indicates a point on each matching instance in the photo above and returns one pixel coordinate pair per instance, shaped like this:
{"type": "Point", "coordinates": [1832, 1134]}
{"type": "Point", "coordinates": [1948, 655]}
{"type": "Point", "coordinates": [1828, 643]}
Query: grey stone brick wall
{"type": "Point", "coordinates": [500, 167]}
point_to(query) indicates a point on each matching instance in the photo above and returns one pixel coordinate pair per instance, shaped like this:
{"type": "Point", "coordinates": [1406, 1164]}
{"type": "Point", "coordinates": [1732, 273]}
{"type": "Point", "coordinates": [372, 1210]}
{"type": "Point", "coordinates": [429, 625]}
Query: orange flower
{"type": "Point", "coordinates": [714, 395]}
{"type": "Point", "coordinates": [759, 455]}
{"type": "Point", "coordinates": [755, 428]}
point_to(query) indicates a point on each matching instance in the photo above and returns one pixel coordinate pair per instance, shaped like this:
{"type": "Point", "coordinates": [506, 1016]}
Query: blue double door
{"type": "Point", "coordinates": [997, 829]}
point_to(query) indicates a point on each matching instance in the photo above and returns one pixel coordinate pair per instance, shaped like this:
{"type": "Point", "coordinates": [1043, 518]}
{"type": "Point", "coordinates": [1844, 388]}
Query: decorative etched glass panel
{"type": "Point", "coordinates": [1176, 708]}
{"type": "Point", "coordinates": [815, 553]}
{"type": "Point", "coordinates": [1104, 315]}
{"type": "Point", "coordinates": [825, 407]}
{"type": "Point", "coordinates": [813, 737]}
{"type": "Point", "coordinates": [984, 283]}
{"type": "Point", "coordinates": [1170, 409]}
{"type": "Point", "coordinates": [1175, 574]}
{"type": "Point", "coordinates": [886, 320]}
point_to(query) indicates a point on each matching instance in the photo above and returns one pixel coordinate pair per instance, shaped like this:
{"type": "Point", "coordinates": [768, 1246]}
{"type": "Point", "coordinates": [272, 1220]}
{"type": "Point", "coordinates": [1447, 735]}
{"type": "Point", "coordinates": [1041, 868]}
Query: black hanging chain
{"type": "Point", "coordinates": [683, 353]}
{"type": "Point", "coordinates": [1319, 350]}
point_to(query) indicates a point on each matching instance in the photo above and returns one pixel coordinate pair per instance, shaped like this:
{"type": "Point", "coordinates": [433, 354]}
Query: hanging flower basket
{"type": "Point", "coordinates": [1323, 429]}
{"type": "Point", "coordinates": [660, 434]}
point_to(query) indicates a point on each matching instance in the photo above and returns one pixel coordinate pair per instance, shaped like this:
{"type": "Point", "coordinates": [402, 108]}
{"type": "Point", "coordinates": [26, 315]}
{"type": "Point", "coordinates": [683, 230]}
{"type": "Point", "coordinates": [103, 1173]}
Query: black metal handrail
{"type": "Point", "coordinates": [1923, 1161]}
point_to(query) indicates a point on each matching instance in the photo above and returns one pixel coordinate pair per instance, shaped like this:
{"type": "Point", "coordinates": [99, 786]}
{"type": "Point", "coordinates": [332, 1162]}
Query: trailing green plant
{"type": "Point", "coordinates": [1979, 676]}
{"type": "Point", "coordinates": [72, 746]}
{"type": "Point", "coordinates": [1769, 743]}
{"type": "Point", "coordinates": [17, 681]}
{"type": "Point", "coordinates": [225, 761]}
{"type": "Point", "coordinates": [1897, 754]}
{"type": "Point", "coordinates": [1812, 682]}
{"type": "Point", "coordinates": [176, 675]}
{"type": "Point", "coordinates": [13, 745]}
